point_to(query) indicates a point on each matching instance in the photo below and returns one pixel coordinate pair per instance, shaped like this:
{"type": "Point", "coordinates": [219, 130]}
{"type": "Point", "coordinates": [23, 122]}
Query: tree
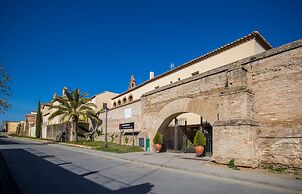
{"type": "Point", "coordinates": [39, 121]}
{"type": "Point", "coordinates": [74, 107]}
{"type": "Point", "coordinates": [5, 90]}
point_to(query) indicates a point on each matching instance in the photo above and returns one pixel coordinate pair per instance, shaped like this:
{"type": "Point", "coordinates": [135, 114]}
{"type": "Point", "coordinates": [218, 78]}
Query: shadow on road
{"type": "Point", "coordinates": [33, 174]}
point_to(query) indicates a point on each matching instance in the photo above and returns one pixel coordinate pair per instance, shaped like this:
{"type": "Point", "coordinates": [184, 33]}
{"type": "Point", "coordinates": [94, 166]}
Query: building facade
{"type": "Point", "coordinates": [10, 127]}
{"type": "Point", "coordinates": [235, 94]}
{"type": "Point", "coordinates": [128, 107]}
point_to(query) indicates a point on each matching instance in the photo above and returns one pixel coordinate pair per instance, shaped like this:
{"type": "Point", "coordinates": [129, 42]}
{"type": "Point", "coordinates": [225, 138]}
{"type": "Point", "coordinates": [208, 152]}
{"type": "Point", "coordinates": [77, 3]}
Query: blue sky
{"type": "Point", "coordinates": [96, 45]}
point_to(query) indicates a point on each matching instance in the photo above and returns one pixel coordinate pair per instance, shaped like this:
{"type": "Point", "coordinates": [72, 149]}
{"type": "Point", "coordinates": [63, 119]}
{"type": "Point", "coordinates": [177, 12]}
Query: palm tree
{"type": "Point", "coordinates": [73, 106]}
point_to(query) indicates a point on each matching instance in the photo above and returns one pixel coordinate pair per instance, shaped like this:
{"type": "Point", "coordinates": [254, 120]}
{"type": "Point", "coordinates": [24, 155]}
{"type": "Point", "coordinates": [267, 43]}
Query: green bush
{"type": "Point", "coordinates": [158, 138]}
{"type": "Point", "coordinates": [112, 137]}
{"type": "Point", "coordinates": [232, 165]}
{"type": "Point", "coordinates": [199, 139]}
{"type": "Point", "coordinates": [126, 140]}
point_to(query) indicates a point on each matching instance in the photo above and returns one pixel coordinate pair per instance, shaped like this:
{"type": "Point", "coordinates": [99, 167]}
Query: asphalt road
{"type": "Point", "coordinates": [51, 168]}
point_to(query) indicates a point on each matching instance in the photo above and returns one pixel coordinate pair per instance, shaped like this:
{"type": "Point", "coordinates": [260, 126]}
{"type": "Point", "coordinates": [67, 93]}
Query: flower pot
{"type": "Point", "coordinates": [157, 147]}
{"type": "Point", "coordinates": [199, 150]}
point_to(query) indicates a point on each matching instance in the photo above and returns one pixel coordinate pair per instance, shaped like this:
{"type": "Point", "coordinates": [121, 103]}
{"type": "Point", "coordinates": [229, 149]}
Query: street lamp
{"type": "Point", "coordinates": [105, 108]}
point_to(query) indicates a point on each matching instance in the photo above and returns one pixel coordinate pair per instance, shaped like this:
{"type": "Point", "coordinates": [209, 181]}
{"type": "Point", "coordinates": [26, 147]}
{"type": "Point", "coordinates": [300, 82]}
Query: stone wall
{"type": "Point", "coordinates": [116, 116]}
{"type": "Point", "coordinates": [276, 82]}
{"type": "Point", "coordinates": [254, 105]}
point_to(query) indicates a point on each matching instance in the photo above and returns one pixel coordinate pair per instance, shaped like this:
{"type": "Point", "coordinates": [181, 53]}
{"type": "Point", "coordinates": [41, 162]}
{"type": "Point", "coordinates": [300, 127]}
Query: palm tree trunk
{"type": "Point", "coordinates": [76, 131]}
{"type": "Point", "coordinates": [73, 136]}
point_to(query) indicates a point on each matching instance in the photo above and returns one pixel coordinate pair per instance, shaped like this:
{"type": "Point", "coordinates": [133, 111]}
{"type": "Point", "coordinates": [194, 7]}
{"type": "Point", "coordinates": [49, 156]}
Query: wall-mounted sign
{"type": "Point", "coordinates": [128, 113]}
{"type": "Point", "coordinates": [127, 125]}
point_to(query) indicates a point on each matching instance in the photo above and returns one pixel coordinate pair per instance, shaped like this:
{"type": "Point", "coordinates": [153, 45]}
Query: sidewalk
{"type": "Point", "coordinates": [188, 163]}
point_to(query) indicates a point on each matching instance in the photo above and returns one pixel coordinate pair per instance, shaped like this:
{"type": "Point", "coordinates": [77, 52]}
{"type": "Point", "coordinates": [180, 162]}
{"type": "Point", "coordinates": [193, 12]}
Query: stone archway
{"type": "Point", "coordinates": [158, 120]}
{"type": "Point", "coordinates": [179, 130]}
{"type": "Point", "coordinates": [229, 110]}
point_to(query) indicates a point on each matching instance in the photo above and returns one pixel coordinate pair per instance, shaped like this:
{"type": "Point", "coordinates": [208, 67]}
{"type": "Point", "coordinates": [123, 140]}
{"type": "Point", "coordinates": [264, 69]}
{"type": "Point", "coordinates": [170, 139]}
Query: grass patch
{"type": "Point", "coordinates": [275, 169]}
{"type": "Point", "coordinates": [112, 147]}
{"type": "Point", "coordinates": [33, 138]}
{"type": "Point", "coordinates": [279, 169]}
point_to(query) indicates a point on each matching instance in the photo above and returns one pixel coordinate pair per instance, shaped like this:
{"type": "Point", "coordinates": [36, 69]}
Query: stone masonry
{"type": "Point", "coordinates": [254, 106]}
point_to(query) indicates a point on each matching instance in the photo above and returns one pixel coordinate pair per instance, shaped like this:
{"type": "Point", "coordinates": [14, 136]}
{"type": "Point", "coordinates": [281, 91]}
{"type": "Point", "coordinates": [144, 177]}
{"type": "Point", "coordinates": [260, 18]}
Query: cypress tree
{"type": "Point", "coordinates": [39, 121]}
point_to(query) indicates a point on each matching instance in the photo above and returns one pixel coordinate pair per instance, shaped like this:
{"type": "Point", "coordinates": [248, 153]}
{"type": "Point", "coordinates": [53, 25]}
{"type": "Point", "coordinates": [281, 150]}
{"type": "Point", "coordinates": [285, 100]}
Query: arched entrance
{"type": "Point", "coordinates": [179, 130]}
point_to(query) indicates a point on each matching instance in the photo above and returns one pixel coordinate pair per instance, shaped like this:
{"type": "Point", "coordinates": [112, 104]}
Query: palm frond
{"type": "Point", "coordinates": [83, 101]}
{"type": "Point", "coordinates": [68, 116]}
{"type": "Point", "coordinates": [76, 97]}
{"type": "Point", "coordinates": [90, 104]}
{"type": "Point", "coordinates": [60, 107]}
{"type": "Point", "coordinates": [61, 100]}
{"type": "Point", "coordinates": [93, 116]}
{"type": "Point", "coordinates": [55, 114]}
{"type": "Point", "coordinates": [70, 98]}
{"type": "Point", "coordinates": [85, 107]}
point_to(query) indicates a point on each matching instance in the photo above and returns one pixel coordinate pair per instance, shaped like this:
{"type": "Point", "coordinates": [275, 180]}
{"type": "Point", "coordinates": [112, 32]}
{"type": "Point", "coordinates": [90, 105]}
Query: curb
{"type": "Point", "coordinates": [75, 145]}
{"type": "Point", "coordinates": [215, 174]}
{"type": "Point", "coordinates": [31, 140]}
{"type": "Point", "coordinates": [110, 155]}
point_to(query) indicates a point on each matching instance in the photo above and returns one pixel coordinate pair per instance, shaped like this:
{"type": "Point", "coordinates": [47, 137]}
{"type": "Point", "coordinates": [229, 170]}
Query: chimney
{"type": "Point", "coordinates": [63, 93]}
{"type": "Point", "coordinates": [151, 74]}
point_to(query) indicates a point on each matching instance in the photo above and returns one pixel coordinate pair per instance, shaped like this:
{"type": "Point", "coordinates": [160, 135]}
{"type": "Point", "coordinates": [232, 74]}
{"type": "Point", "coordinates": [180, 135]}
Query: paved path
{"type": "Point", "coordinates": [51, 168]}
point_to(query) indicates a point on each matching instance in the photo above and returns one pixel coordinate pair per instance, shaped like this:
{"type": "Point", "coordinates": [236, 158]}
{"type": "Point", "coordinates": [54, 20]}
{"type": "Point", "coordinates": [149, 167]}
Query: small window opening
{"type": "Point", "coordinates": [124, 100]}
{"type": "Point", "coordinates": [195, 73]}
{"type": "Point", "coordinates": [130, 98]}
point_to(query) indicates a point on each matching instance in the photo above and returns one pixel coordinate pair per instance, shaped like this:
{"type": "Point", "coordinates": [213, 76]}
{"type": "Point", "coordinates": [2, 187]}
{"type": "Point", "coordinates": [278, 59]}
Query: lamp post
{"type": "Point", "coordinates": [106, 119]}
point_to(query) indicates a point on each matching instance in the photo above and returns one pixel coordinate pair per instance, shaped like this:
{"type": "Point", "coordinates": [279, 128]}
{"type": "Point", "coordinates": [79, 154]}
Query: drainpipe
{"type": "Point", "coordinates": [176, 135]}
{"type": "Point", "coordinates": [201, 125]}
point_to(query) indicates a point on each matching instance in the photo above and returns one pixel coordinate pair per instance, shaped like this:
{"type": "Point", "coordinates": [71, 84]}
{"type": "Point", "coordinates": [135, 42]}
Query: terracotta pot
{"type": "Point", "coordinates": [199, 150]}
{"type": "Point", "coordinates": [157, 147]}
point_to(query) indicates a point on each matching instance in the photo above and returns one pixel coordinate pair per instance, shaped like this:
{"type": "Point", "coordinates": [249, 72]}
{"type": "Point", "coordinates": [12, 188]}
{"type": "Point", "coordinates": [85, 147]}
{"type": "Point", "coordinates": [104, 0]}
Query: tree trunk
{"type": "Point", "coordinates": [76, 131]}
{"type": "Point", "coordinates": [73, 131]}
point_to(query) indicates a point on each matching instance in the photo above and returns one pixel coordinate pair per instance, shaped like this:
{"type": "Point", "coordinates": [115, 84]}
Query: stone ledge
{"type": "Point", "coordinates": [235, 90]}
{"type": "Point", "coordinates": [235, 122]}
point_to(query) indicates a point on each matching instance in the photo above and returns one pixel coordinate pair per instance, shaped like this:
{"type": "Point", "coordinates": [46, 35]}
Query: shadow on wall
{"type": "Point", "coordinates": [33, 174]}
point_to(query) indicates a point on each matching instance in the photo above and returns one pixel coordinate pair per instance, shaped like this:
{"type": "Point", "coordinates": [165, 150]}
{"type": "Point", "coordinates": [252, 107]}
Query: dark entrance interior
{"type": "Point", "coordinates": [179, 135]}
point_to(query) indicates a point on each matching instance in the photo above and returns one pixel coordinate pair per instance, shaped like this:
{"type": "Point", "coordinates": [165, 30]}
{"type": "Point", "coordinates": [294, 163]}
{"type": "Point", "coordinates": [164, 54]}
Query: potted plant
{"type": "Point", "coordinates": [158, 141]}
{"type": "Point", "coordinates": [199, 143]}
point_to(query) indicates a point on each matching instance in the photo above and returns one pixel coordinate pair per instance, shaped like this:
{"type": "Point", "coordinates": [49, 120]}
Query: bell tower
{"type": "Point", "coordinates": [132, 83]}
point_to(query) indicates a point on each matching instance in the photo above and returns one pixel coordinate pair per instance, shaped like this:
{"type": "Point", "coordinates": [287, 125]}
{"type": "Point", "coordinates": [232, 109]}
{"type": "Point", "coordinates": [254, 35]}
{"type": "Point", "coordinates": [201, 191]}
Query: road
{"type": "Point", "coordinates": [51, 168]}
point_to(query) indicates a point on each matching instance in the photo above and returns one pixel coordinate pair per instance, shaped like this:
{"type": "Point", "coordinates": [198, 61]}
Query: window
{"type": "Point", "coordinates": [130, 98]}
{"type": "Point", "coordinates": [171, 82]}
{"type": "Point", "coordinates": [141, 142]}
{"type": "Point", "coordinates": [124, 100]}
{"type": "Point", "coordinates": [119, 102]}
{"type": "Point", "coordinates": [156, 87]}
{"type": "Point", "coordinates": [195, 73]}
{"type": "Point", "coordinates": [179, 79]}
{"type": "Point", "coordinates": [114, 104]}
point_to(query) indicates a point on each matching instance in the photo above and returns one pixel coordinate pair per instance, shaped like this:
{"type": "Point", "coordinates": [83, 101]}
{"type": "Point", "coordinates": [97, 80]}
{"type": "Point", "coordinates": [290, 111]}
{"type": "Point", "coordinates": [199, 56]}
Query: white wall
{"type": "Point", "coordinates": [236, 53]}
{"type": "Point", "coordinates": [32, 132]}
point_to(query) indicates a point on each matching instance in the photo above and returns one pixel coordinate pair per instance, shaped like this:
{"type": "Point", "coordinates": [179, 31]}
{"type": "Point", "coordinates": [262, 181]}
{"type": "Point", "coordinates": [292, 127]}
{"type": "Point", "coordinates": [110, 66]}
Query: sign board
{"type": "Point", "coordinates": [128, 113]}
{"type": "Point", "coordinates": [147, 145]}
{"type": "Point", "coordinates": [127, 125]}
